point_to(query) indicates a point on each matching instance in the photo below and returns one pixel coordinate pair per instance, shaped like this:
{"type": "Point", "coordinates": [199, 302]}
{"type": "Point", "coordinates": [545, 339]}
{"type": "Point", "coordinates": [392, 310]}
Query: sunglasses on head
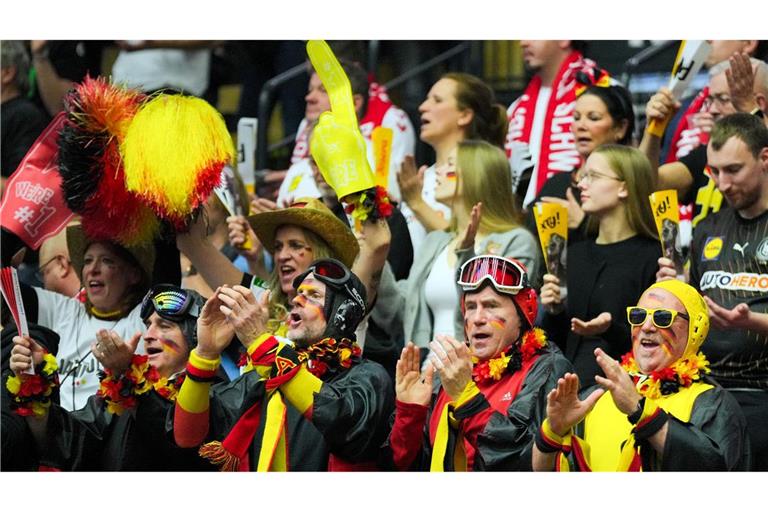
{"type": "Point", "coordinates": [661, 317]}
{"type": "Point", "coordinates": [507, 276]}
{"type": "Point", "coordinates": [170, 302]}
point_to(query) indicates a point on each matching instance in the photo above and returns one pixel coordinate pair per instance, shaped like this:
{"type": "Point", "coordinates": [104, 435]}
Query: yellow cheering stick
{"type": "Point", "coordinates": [690, 57]}
{"type": "Point", "coordinates": [337, 145]}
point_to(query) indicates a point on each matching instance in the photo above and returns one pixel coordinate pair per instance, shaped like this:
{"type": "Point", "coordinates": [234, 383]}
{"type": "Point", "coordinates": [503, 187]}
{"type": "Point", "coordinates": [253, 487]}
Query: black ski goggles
{"type": "Point", "coordinates": [170, 302]}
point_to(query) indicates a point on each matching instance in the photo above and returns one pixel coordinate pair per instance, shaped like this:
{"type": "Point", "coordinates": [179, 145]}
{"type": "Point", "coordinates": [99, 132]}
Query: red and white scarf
{"type": "Point", "coordinates": [557, 152]}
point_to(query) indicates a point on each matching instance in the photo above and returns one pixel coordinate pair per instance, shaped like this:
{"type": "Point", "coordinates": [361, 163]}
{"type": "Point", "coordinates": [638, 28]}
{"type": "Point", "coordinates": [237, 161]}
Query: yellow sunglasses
{"type": "Point", "coordinates": [661, 317]}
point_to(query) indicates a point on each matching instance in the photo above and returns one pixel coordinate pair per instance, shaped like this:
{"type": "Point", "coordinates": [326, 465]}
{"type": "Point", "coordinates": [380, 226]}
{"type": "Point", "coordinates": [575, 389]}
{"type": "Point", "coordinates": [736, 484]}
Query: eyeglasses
{"type": "Point", "coordinates": [333, 274]}
{"type": "Point", "coordinates": [39, 273]}
{"type": "Point", "coordinates": [661, 317]}
{"type": "Point", "coordinates": [721, 98]}
{"type": "Point", "coordinates": [170, 302]}
{"type": "Point", "coordinates": [590, 176]}
{"type": "Point", "coordinates": [507, 276]}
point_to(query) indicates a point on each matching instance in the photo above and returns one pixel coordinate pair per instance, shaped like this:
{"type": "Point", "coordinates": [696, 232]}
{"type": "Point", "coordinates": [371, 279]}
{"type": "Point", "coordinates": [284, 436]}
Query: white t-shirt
{"type": "Point", "coordinates": [441, 295]}
{"type": "Point", "coordinates": [77, 330]}
{"type": "Point", "coordinates": [156, 68]}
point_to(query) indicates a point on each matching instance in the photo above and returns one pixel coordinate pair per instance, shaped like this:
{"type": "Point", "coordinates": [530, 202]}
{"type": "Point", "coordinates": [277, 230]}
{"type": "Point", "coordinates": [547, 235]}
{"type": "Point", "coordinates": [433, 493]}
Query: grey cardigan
{"type": "Point", "coordinates": [402, 305]}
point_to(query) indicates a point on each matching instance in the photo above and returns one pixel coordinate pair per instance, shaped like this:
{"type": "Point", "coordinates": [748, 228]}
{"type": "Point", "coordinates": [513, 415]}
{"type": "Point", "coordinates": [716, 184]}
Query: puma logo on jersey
{"type": "Point", "coordinates": [738, 247]}
{"type": "Point", "coordinates": [507, 397]}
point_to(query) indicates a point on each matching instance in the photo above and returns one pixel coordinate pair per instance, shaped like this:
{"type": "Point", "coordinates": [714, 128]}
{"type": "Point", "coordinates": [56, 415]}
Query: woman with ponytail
{"type": "Point", "coordinates": [458, 107]}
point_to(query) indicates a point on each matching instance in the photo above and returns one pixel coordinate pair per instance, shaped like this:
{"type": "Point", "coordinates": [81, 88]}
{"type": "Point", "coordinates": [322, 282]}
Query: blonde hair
{"type": "Point", "coordinates": [633, 168]}
{"type": "Point", "coordinates": [278, 302]}
{"type": "Point", "coordinates": [483, 176]}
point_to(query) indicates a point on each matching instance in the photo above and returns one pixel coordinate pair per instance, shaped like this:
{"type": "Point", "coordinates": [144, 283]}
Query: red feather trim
{"type": "Point", "coordinates": [101, 107]}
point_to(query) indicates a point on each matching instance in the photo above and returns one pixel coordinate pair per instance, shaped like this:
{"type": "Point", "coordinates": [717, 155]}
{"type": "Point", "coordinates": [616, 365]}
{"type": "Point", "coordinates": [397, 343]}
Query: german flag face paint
{"type": "Point", "coordinates": [169, 346]}
{"type": "Point", "coordinates": [446, 179]}
{"type": "Point", "coordinates": [498, 323]}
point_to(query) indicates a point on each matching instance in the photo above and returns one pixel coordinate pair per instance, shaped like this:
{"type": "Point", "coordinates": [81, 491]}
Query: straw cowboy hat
{"type": "Point", "coordinates": [312, 214]}
{"type": "Point", "coordinates": [78, 242]}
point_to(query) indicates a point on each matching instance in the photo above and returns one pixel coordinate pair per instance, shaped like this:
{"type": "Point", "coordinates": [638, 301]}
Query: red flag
{"type": "Point", "coordinates": [33, 206]}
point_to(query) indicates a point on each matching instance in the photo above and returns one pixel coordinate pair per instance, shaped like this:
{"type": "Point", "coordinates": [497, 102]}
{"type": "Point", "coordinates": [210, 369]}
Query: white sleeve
{"type": "Point", "coordinates": [52, 307]}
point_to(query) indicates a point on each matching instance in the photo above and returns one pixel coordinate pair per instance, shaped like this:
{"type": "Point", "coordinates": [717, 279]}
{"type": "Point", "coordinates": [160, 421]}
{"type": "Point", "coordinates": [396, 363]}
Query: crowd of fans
{"type": "Point", "coordinates": [298, 337]}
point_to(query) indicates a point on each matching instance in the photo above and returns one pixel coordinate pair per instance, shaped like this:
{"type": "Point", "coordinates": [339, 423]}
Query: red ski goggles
{"type": "Point", "coordinates": [507, 276]}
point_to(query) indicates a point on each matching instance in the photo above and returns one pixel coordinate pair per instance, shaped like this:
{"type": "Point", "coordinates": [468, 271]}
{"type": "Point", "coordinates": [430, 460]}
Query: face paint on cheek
{"type": "Point", "coordinates": [498, 323]}
{"type": "Point", "coordinates": [169, 346]}
{"type": "Point", "coordinates": [317, 309]}
{"type": "Point", "coordinates": [450, 175]}
{"type": "Point", "coordinates": [666, 346]}
{"type": "Point", "coordinates": [301, 300]}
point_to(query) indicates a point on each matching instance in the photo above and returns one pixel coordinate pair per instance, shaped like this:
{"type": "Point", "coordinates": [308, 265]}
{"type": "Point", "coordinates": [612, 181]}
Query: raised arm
{"type": "Point", "coordinates": [564, 411]}
{"type": "Point", "coordinates": [215, 268]}
{"type": "Point", "coordinates": [413, 392]}
{"type": "Point", "coordinates": [674, 175]}
{"type": "Point", "coordinates": [51, 86]}
{"type": "Point", "coordinates": [26, 354]}
{"type": "Point", "coordinates": [374, 248]}
{"type": "Point", "coordinates": [411, 183]}
{"type": "Point", "coordinates": [214, 332]}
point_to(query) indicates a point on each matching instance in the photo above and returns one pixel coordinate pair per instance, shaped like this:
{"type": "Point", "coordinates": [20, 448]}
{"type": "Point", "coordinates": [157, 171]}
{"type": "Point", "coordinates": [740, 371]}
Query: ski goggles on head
{"type": "Point", "coordinates": [332, 273]}
{"type": "Point", "coordinates": [507, 276]}
{"type": "Point", "coordinates": [661, 317]}
{"type": "Point", "coordinates": [170, 302]}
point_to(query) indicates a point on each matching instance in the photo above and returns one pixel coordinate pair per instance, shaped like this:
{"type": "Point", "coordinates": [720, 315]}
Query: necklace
{"type": "Point", "coordinates": [169, 389]}
{"type": "Point", "coordinates": [329, 354]}
{"type": "Point", "coordinates": [667, 381]}
{"type": "Point", "coordinates": [105, 315]}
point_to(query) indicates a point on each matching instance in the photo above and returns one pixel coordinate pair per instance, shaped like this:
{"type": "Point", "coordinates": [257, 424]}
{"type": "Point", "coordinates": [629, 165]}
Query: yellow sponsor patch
{"type": "Point", "coordinates": [712, 248]}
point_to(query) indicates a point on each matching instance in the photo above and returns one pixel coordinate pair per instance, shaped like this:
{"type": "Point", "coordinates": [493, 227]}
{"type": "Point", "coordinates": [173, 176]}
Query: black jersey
{"type": "Point", "coordinates": [729, 264]}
